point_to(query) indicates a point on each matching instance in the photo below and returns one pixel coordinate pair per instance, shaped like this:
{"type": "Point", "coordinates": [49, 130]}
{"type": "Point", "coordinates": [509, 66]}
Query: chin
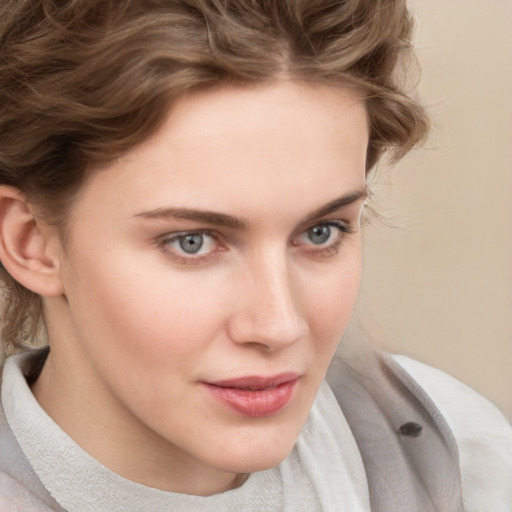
{"type": "Point", "coordinates": [252, 463]}
{"type": "Point", "coordinates": [259, 453]}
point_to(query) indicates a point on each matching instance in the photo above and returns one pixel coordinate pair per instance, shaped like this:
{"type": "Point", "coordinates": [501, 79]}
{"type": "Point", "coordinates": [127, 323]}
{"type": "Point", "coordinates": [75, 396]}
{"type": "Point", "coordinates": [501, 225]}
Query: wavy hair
{"type": "Point", "coordinates": [83, 81]}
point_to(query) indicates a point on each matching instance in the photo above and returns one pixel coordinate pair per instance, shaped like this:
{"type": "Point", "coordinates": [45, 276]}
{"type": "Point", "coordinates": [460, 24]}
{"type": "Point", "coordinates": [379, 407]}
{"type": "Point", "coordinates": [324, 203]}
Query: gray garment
{"type": "Point", "coordinates": [409, 453]}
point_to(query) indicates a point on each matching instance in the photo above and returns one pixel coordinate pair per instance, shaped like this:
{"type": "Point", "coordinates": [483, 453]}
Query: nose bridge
{"type": "Point", "coordinates": [270, 312]}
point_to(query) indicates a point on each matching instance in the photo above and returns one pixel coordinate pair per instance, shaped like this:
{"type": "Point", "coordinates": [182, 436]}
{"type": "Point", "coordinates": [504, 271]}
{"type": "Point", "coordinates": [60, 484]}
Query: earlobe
{"type": "Point", "coordinates": [25, 245]}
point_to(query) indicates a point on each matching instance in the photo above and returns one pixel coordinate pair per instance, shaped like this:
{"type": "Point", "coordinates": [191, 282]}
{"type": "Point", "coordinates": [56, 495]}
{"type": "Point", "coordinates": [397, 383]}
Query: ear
{"type": "Point", "coordinates": [28, 248]}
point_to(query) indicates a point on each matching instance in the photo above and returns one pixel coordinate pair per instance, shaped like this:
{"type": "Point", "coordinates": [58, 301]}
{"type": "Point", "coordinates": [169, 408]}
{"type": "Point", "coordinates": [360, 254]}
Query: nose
{"type": "Point", "coordinates": [268, 307]}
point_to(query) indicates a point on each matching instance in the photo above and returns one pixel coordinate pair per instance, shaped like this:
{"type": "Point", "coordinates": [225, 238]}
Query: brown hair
{"type": "Point", "coordinates": [82, 81]}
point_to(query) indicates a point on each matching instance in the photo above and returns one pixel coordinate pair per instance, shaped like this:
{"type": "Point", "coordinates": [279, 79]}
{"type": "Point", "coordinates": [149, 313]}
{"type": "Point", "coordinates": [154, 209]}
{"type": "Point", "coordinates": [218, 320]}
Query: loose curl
{"type": "Point", "coordinates": [83, 81]}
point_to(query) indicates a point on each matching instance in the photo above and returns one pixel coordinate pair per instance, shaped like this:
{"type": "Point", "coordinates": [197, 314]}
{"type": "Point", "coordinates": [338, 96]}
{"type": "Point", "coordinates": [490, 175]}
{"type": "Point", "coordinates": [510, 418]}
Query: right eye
{"type": "Point", "coordinates": [192, 243]}
{"type": "Point", "coordinates": [189, 245]}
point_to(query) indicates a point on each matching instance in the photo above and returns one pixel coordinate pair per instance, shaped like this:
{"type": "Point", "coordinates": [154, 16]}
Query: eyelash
{"type": "Point", "coordinates": [165, 241]}
{"type": "Point", "coordinates": [332, 249]}
{"type": "Point", "coordinates": [317, 252]}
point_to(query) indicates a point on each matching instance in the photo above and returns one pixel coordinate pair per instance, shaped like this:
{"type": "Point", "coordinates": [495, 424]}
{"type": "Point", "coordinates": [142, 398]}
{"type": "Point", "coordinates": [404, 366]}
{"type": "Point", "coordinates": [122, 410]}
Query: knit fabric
{"type": "Point", "coordinates": [44, 470]}
{"type": "Point", "coordinates": [323, 471]}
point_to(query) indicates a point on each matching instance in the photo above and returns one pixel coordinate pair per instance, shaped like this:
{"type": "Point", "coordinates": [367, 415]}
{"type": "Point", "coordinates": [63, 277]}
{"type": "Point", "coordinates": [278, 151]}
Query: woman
{"type": "Point", "coordinates": [182, 190]}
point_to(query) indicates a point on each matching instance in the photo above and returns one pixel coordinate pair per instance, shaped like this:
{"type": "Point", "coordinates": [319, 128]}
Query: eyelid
{"type": "Point", "coordinates": [175, 235]}
{"type": "Point", "coordinates": [342, 225]}
{"type": "Point", "coordinates": [163, 242]}
{"type": "Point", "coordinates": [323, 252]}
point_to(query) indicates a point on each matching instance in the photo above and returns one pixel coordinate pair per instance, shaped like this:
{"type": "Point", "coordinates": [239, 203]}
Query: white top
{"type": "Point", "coordinates": [324, 472]}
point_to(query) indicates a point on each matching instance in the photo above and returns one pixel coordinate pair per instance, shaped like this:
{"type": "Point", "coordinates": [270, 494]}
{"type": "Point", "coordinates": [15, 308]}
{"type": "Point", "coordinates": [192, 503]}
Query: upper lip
{"type": "Point", "coordinates": [255, 382]}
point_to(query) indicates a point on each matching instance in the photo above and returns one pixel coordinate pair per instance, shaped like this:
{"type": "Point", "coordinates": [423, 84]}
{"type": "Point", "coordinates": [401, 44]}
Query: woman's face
{"type": "Point", "coordinates": [208, 277]}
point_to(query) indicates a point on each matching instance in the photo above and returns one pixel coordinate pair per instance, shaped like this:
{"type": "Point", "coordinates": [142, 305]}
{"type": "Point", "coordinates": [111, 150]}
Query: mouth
{"type": "Point", "coordinates": [255, 396]}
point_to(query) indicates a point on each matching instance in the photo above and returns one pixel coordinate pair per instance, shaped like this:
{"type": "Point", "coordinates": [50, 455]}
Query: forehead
{"type": "Point", "coordinates": [236, 147]}
{"type": "Point", "coordinates": [264, 120]}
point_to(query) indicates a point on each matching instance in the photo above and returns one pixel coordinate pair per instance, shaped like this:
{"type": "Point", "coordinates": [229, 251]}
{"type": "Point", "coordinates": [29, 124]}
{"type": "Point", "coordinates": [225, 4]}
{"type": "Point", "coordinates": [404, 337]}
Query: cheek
{"type": "Point", "coordinates": [135, 314]}
{"type": "Point", "coordinates": [331, 307]}
{"type": "Point", "coordinates": [150, 317]}
{"type": "Point", "coordinates": [332, 301]}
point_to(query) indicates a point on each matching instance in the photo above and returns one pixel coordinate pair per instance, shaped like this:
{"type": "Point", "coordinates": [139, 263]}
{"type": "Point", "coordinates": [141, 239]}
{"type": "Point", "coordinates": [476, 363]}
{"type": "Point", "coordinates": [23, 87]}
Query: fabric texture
{"type": "Point", "coordinates": [323, 471]}
{"type": "Point", "coordinates": [483, 435]}
{"type": "Point", "coordinates": [402, 423]}
{"type": "Point", "coordinates": [409, 451]}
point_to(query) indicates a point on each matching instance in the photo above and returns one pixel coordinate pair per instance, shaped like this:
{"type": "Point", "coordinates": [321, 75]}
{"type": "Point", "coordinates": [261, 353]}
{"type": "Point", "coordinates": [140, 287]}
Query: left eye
{"type": "Point", "coordinates": [322, 234]}
{"type": "Point", "coordinates": [319, 234]}
{"type": "Point", "coordinates": [191, 244]}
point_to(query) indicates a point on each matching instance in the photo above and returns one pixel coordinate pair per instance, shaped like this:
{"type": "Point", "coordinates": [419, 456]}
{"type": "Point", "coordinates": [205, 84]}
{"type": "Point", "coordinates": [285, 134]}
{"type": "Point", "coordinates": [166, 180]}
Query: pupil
{"type": "Point", "coordinates": [191, 243]}
{"type": "Point", "coordinates": [319, 234]}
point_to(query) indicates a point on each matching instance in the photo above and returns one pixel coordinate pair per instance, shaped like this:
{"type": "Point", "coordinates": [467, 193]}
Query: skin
{"type": "Point", "coordinates": [140, 324]}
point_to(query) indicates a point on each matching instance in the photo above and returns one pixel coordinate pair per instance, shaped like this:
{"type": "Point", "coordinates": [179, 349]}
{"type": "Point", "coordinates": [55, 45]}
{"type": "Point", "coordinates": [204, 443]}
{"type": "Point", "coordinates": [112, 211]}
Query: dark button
{"type": "Point", "coordinates": [410, 429]}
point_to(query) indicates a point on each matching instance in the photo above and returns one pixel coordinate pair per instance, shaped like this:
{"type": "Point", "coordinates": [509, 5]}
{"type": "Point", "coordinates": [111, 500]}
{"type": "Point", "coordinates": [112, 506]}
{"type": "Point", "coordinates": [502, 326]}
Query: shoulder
{"type": "Point", "coordinates": [20, 488]}
{"type": "Point", "coordinates": [483, 436]}
{"type": "Point", "coordinates": [14, 497]}
{"type": "Point", "coordinates": [15, 473]}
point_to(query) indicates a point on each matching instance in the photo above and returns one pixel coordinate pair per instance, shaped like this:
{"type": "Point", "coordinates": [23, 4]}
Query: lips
{"type": "Point", "coordinates": [255, 396]}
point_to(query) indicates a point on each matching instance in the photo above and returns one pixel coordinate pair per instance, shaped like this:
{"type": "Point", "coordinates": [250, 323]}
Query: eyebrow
{"type": "Point", "coordinates": [208, 217]}
{"type": "Point", "coordinates": [337, 204]}
{"type": "Point", "coordinates": [229, 221]}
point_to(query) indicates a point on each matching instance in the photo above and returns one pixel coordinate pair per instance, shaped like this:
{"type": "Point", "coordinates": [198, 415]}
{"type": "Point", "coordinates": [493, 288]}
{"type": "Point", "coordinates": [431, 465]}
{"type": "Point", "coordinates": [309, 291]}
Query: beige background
{"type": "Point", "coordinates": [438, 285]}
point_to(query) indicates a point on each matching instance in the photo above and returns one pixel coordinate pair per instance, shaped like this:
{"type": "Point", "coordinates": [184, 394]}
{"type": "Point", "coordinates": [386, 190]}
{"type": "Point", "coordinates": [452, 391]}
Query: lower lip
{"type": "Point", "coordinates": [255, 403]}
